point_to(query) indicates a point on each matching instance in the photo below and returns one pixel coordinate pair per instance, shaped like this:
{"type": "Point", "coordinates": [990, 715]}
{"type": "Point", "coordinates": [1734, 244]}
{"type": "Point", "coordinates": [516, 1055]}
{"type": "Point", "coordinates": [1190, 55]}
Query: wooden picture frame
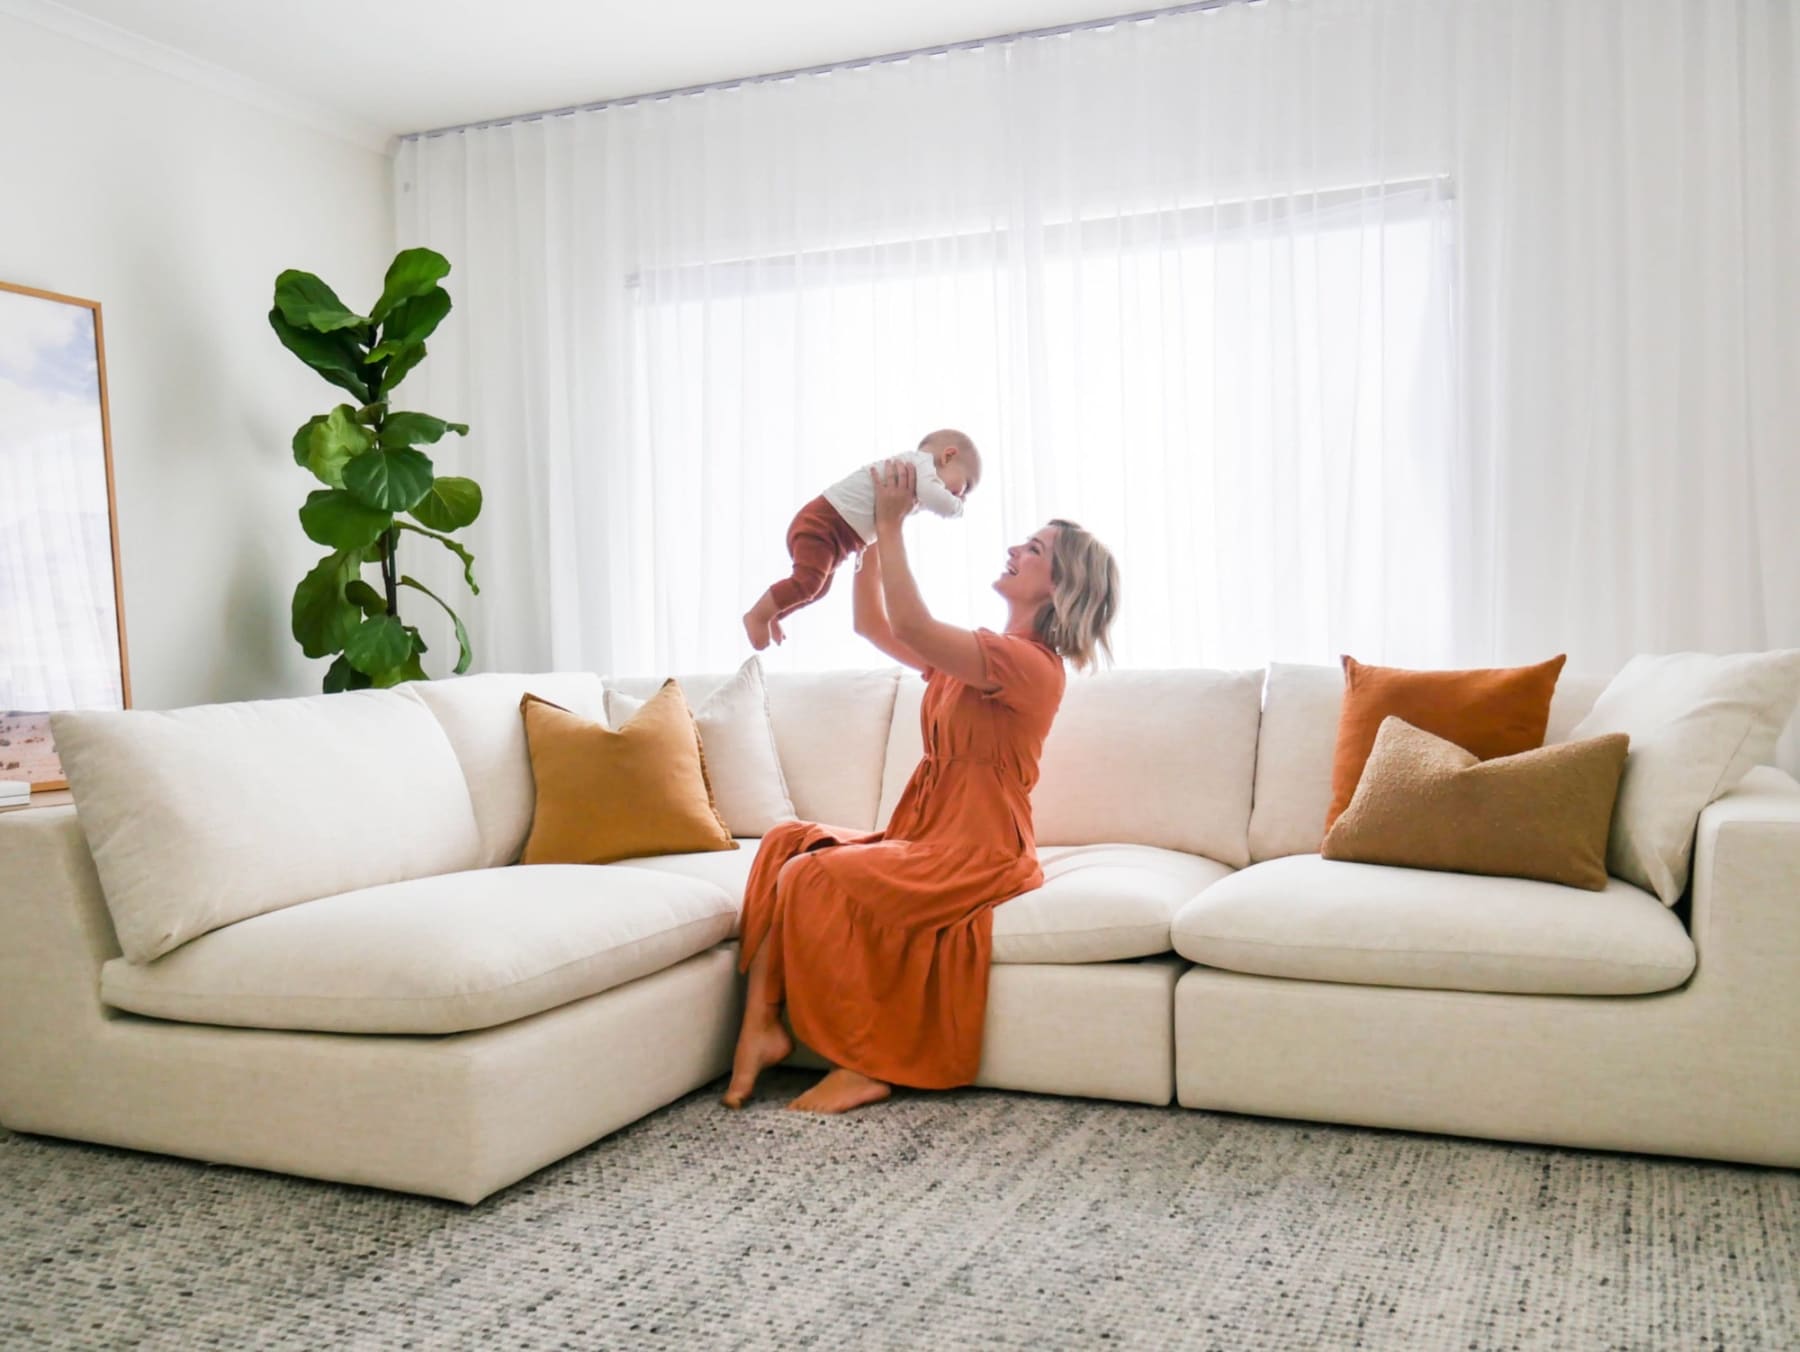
{"type": "Point", "coordinates": [37, 376]}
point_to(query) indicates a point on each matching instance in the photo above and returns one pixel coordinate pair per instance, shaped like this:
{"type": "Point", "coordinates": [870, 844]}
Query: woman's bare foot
{"type": "Point", "coordinates": [839, 1092]}
{"type": "Point", "coordinates": [759, 1046]}
{"type": "Point", "coordinates": [776, 632]}
{"type": "Point", "coordinates": [759, 622]}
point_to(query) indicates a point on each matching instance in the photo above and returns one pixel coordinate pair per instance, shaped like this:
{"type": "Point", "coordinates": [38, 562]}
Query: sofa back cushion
{"type": "Point", "coordinates": [1294, 753]}
{"type": "Point", "coordinates": [480, 715]}
{"type": "Point", "coordinates": [200, 817]}
{"type": "Point", "coordinates": [1160, 758]}
{"type": "Point", "coordinates": [831, 729]}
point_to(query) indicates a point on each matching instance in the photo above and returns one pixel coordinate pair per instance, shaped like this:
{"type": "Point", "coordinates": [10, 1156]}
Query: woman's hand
{"type": "Point", "coordinates": [896, 491]}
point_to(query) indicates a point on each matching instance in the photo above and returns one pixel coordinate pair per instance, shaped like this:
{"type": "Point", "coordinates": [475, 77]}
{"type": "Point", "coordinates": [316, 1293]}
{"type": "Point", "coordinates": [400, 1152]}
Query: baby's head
{"type": "Point", "coordinates": [958, 462]}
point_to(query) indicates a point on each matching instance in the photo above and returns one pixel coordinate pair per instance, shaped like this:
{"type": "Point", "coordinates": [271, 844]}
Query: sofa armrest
{"type": "Point", "coordinates": [1745, 920]}
{"type": "Point", "coordinates": [55, 932]}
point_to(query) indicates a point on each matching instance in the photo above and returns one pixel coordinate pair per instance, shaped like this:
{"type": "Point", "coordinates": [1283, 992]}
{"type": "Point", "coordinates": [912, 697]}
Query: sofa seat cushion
{"type": "Point", "coordinates": [1324, 920]}
{"type": "Point", "coordinates": [1099, 903]}
{"type": "Point", "coordinates": [433, 955]}
{"type": "Point", "coordinates": [725, 870]}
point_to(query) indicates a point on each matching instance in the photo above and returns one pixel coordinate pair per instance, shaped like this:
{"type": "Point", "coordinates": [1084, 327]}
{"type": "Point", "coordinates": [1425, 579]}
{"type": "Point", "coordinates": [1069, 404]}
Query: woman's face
{"type": "Point", "coordinates": [1026, 576]}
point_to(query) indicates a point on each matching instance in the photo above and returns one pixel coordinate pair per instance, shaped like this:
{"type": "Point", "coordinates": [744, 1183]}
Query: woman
{"type": "Point", "coordinates": [878, 944]}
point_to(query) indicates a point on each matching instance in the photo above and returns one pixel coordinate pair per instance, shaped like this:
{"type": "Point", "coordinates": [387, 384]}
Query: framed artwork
{"type": "Point", "coordinates": [62, 612]}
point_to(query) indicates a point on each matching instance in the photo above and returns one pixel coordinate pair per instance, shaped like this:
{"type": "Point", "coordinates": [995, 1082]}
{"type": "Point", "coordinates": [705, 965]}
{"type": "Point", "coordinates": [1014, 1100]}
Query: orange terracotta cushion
{"type": "Point", "coordinates": [1488, 712]}
{"type": "Point", "coordinates": [604, 795]}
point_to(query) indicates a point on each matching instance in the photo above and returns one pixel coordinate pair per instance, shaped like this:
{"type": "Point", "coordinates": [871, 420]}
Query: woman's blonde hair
{"type": "Point", "coordinates": [1084, 598]}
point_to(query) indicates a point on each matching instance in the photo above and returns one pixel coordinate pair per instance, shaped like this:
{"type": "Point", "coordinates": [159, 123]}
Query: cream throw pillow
{"type": "Point", "coordinates": [1698, 723]}
{"type": "Point", "coordinates": [739, 742]}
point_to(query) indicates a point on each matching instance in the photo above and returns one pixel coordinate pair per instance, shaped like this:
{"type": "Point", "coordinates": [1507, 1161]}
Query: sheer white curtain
{"type": "Point", "coordinates": [1436, 332]}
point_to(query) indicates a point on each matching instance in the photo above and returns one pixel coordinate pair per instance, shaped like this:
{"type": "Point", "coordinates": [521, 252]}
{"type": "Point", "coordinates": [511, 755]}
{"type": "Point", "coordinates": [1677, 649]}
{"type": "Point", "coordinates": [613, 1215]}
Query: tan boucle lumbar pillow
{"type": "Point", "coordinates": [1424, 802]}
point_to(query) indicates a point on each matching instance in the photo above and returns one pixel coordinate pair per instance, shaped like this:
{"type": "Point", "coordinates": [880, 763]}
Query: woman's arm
{"type": "Point", "coordinates": [871, 620]}
{"type": "Point", "coordinates": [942, 646]}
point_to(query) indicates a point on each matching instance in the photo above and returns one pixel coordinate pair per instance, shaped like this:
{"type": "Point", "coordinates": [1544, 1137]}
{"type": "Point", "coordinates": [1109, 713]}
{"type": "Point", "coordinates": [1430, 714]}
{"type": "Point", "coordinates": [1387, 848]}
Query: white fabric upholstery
{"type": "Point", "coordinates": [1159, 758]}
{"type": "Point", "coordinates": [1574, 697]}
{"type": "Point", "coordinates": [738, 740]}
{"type": "Point", "coordinates": [1316, 919]}
{"type": "Point", "coordinates": [1093, 1030]}
{"type": "Point", "coordinates": [480, 715]}
{"type": "Point", "coordinates": [1698, 723]}
{"type": "Point", "coordinates": [1294, 751]}
{"type": "Point", "coordinates": [727, 870]}
{"type": "Point", "coordinates": [435, 955]}
{"type": "Point", "coordinates": [1100, 903]}
{"type": "Point", "coordinates": [904, 744]}
{"type": "Point", "coordinates": [830, 728]}
{"type": "Point", "coordinates": [1152, 758]}
{"type": "Point", "coordinates": [199, 817]}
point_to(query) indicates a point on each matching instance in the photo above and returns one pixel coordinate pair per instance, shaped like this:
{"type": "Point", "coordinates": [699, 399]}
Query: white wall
{"type": "Point", "coordinates": [174, 207]}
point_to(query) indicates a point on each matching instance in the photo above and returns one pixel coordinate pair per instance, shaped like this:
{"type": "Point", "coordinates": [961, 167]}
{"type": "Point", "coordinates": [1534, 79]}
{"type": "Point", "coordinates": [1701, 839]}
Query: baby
{"type": "Point", "coordinates": [840, 523]}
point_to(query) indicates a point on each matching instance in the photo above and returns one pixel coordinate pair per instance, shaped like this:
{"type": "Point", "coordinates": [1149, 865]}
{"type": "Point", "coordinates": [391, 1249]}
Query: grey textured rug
{"type": "Point", "coordinates": [957, 1220]}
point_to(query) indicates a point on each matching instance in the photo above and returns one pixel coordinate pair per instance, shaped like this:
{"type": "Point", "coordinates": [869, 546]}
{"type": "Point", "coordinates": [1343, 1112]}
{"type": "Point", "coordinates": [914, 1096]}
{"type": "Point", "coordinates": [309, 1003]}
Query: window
{"type": "Point", "coordinates": [1251, 403]}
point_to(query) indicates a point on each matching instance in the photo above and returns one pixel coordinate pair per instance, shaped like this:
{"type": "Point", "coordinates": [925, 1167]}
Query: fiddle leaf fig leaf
{"type": "Point", "coordinates": [342, 676]}
{"type": "Point", "coordinates": [302, 442]}
{"type": "Point", "coordinates": [307, 303]}
{"type": "Point", "coordinates": [377, 645]}
{"type": "Point", "coordinates": [412, 273]}
{"type": "Point", "coordinates": [409, 670]}
{"type": "Point", "coordinates": [362, 595]}
{"type": "Point", "coordinates": [392, 480]}
{"type": "Point", "coordinates": [468, 559]}
{"type": "Point", "coordinates": [398, 366]}
{"type": "Point", "coordinates": [417, 429]}
{"type": "Point", "coordinates": [334, 441]}
{"type": "Point", "coordinates": [452, 503]}
{"type": "Point", "coordinates": [412, 322]}
{"type": "Point", "coordinates": [336, 518]}
{"type": "Point", "coordinates": [462, 635]}
{"type": "Point", "coordinates": [323, 619]}
{"type": "Point", "coordinates": [335, 356]}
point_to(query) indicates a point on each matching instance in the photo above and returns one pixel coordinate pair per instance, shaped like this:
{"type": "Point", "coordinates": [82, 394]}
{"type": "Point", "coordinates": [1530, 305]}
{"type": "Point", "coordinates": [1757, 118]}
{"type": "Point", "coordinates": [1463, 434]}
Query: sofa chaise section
{"type": "Point", "coordinates": [457, 1116]}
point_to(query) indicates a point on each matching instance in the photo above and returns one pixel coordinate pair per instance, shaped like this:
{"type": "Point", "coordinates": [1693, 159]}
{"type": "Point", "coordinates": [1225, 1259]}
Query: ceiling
{"type": "Point", "coordinates": [396, 66]}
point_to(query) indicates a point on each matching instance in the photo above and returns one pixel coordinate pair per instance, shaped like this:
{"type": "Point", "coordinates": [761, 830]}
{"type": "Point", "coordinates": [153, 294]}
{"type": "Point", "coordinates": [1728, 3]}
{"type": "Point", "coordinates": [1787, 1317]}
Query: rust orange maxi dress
{"type": "Point", "coordinates": [879, 942]}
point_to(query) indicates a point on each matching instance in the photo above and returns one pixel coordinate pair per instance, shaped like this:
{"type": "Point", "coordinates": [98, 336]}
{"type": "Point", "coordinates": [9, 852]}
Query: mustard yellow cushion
{"type": "Point", "coordinates": [604, 795]}
{"type": "Point", "coordinates": [1424, 802]}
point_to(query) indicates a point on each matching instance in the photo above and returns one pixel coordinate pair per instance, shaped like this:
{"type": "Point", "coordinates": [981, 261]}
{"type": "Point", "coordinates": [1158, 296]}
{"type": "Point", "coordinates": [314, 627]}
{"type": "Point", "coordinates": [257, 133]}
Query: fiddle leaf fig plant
{"type": "Point", "coordinates": [367, 456]}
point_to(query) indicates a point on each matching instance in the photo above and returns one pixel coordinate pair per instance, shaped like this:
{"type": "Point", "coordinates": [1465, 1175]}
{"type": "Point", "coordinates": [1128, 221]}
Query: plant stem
{"type": "Point", "coordinates": [388, 572]}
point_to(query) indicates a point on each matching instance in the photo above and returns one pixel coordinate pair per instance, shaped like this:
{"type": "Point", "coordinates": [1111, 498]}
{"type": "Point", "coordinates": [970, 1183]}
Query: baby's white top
{"type": "Point", "coordinates": [854, 494]}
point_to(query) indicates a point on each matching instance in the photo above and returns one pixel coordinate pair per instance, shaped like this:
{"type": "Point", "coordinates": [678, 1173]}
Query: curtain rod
{"type": "Point", "coordinates": [856, 63]}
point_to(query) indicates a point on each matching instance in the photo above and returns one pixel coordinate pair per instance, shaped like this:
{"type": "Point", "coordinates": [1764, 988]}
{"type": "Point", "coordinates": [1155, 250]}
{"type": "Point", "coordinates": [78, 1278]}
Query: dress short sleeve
{"type": "Point", "coordinates": [1028, 675]}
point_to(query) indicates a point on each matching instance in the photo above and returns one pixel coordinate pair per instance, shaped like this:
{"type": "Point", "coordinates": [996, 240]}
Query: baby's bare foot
{"type": "Point", "coordinates": [758, 630]}
{"type": "Point", "coordinates": [759, 622]}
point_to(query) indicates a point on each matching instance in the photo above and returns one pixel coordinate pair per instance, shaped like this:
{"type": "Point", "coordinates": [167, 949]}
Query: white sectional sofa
{"type": "Point", "coordinates": [359, 986]}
